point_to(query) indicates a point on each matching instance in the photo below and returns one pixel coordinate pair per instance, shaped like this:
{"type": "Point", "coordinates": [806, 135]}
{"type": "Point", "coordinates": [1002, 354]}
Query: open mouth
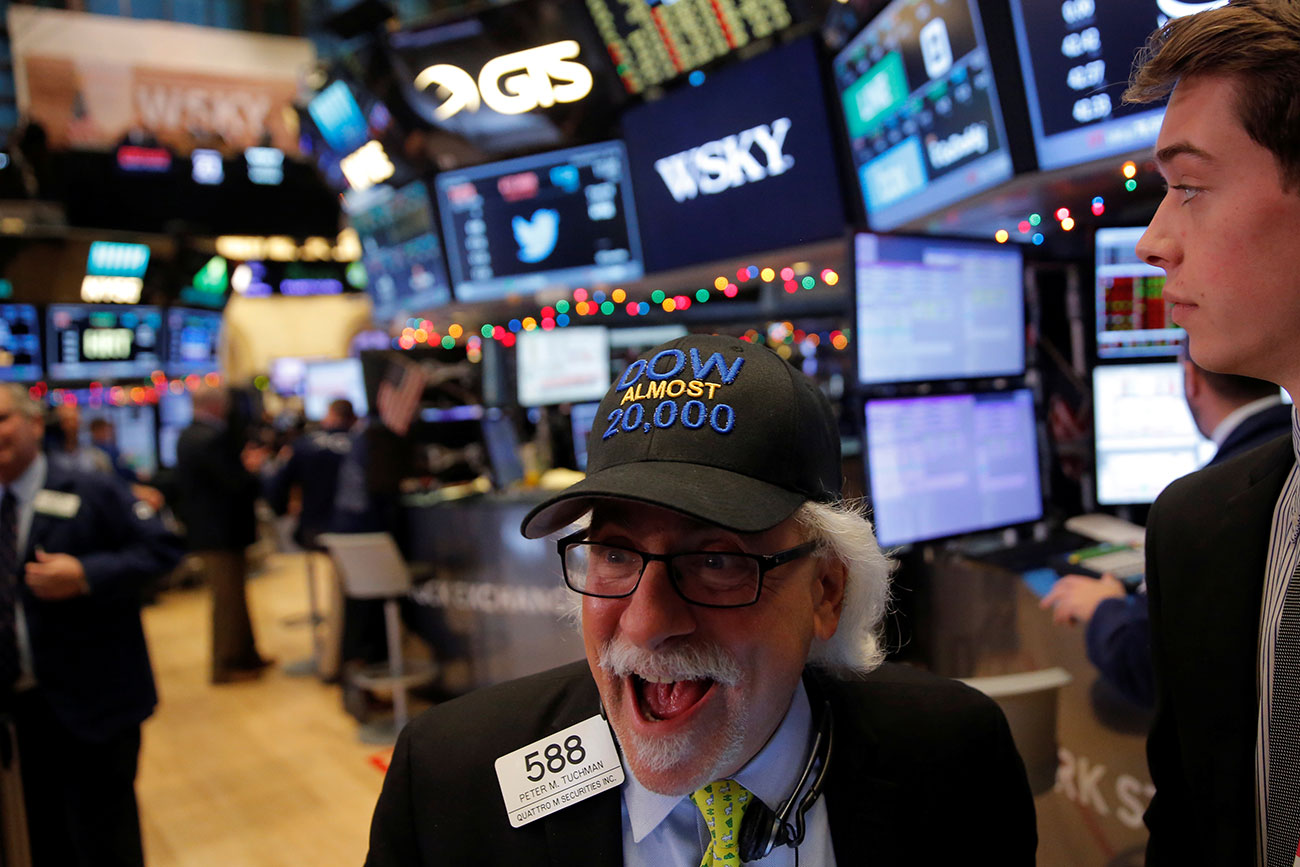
{"type": "Point", "coordinates": [659, 701]}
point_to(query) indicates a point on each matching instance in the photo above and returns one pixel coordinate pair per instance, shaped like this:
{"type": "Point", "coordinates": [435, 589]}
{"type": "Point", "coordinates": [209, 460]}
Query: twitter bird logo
{"type": "Point", "coordinates": [537, 237]}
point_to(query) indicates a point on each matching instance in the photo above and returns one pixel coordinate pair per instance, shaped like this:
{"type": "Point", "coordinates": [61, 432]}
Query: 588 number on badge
{"type": "Point", "coordinates": [557, 758]}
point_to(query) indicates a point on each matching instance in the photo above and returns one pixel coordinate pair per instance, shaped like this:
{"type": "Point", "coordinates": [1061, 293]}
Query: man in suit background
{"type": "Point", "coordinates": [731, 608]}
{"type": "Point", "coordinates": [1222, 543]}
{"type": "Point", "coordinates": [1237, 413]}
{"type": "Point", "coordinates": [216, 498]}
{"type": "Point", "coordinates": [75, 550]}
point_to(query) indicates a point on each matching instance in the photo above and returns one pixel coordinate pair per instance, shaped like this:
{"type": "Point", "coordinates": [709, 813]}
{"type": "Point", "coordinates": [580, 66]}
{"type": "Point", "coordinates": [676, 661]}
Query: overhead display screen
{"type": "Point", "coordinates": [950, 464]}
{"type": "Point", "coordinates": [931, 308]}
{"type": "Point", "coordinates": [922, 113]}
{"type": "Point", "coordinates": [554, 219]}
{"type": "Point", "coordinates": [1133, 318]}
{"type": "Point", "coordinates": [714, 165]}
{"type": "Point", "coordinates": [1076, 56]}
{"type": "Point", "coordinates": [401, 250]}
{"type": "Point", "coordinates": [193, 341]}
{"type": "Point", "coordinates": [20, 343]}
{"type": "Point", "coordinates": [103, 341]}
{"type": "Point", "coordinates": [562, 366]}
{"type": "Point", "coordinates": [1145, 433]}
{"type": "Point", "coordinates": [653, 42]}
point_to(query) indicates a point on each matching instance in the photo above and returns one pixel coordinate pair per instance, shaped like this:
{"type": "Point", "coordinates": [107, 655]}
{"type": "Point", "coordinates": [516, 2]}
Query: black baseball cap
{"type": "Point", "coordinates": [716, 428]}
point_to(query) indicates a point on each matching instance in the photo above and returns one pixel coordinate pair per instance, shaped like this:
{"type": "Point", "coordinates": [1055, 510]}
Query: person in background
{"type": "Point", "coordinates": [1237, 413]}
{"type": "Point", "coordinates": [1223, 543]}
{"type": "Point", "coordinates": [311, 464]}
{"type": "Point", "coordinates": [103, 436]}
{"type": "Point", "coordinates": [217, 493]}
{"type": "Point", "coordinates": [64, 448]}
{"type": "Point", "coordinates": [75, 551]}
{"type": "Point", "coordinates": [731, 611]}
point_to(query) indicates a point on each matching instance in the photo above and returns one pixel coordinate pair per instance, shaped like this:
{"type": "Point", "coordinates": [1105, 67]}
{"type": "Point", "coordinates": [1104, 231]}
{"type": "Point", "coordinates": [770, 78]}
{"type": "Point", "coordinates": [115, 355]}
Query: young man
{"type": "Point", "coordinates": [731, 610]}
{"type": "Point", "coordinates": [1222, 543]}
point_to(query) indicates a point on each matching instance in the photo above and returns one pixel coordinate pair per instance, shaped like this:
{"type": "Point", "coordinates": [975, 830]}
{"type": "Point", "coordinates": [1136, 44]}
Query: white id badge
{"type": "Point", "coordinates": [558, 771]}
{"type": "Point", "coordinates": [58, 504]}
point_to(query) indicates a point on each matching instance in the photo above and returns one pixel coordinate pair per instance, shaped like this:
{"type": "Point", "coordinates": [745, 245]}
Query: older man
{"type": "Point", "coordinates": [731, 605]}
{"type": "Point", "coordinates": [75, 551]}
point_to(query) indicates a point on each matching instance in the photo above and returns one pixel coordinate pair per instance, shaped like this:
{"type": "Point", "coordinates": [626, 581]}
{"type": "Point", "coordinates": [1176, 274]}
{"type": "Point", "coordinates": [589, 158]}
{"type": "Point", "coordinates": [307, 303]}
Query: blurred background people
{"type": "Point", "coordinates": [1237, 413]}
{"type": "Point", "coordinates": [75, 551]}
{"type": "Point", "coordinates": [217, 495]}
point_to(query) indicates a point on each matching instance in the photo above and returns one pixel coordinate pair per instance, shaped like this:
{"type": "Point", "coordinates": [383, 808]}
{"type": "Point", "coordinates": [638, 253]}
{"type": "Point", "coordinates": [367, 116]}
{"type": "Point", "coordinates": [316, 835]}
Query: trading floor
{"type": "Point", "coordinates": [268, 773]}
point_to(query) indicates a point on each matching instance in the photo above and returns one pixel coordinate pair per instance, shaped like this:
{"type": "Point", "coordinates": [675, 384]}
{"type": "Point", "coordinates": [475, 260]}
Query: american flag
{"type": "Point", "coordinates": [399, 394]}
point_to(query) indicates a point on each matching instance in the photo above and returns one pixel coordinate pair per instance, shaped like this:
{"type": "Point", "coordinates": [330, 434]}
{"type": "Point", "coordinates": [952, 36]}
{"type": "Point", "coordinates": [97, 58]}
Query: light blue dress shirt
{"type": "Point", "coordinates": [666, 831]}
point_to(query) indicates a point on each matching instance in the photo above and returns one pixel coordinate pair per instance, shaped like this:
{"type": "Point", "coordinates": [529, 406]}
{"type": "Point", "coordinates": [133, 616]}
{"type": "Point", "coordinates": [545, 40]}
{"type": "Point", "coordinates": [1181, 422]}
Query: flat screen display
{"type": "Point", "coordinates": [741, 164]}
{"type": "Point", "coordinates": [103, 341]}
{"type": "Point", "coordinates": [338, 117]}
{"type": "Point", "coordinates": [20, 343]}
{"type": "Point", "coordinates": [287, 375]}
{"type": "Point", "coordinates": [401, 250]}
{"type": "Point", "coordinates": [654, 42]}
{"type": "Point", "coordinates": [134, 435]}
{"type": "Point", "coordinates": [929, 308]}
{"type": "Point", "coordinates": [175, 412]}
{"type": "Point", "coordinates": [193, 341]}
{"type": "Point", "coordinates": [921, 109]}
{"type": "Point", "coordinates": [582, 418]}
{"type": "Point", "coordinates": [554, 219]}
{"type": "Point", "coordinates": [1132, 315]}
{"type": "Point", "coordinates": [951, 464]}
{"type": "Point", "coordinates": [1076, 56]}
{"type": "Point", "coordinates": [1144, 432]}
{"type": "Point", "coordinates": [326, 381]}
{"type": "Point", "coordinates": [562, 366]}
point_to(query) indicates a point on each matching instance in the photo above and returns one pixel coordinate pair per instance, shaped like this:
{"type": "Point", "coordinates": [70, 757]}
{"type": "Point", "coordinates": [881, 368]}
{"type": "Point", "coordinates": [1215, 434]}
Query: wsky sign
{"type": "Point", "coordinates": [738, 165]}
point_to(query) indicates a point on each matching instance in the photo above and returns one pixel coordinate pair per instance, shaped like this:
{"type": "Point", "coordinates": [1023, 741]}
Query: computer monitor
{"type": "Point", "coordinates": [400, 249]}
{"type": "Point", "coordinates": [175, 412]}
{"type": "Point", "coordinates": [103, 341]}
{"type": "Point", "coordinates": [502, 444]}
{"type": "Point", "coordinates": [1144, 432]}
{"type": "Point", "coordinates": [287, 373]}
{"type": "Point", "coordinates": [1076, 57]}
{"type": "Point", "coordinates": [582, 418]}
{"type": "Point", "coordinates": [553, 219]}
{"type": "Point", "coordinates": [193, 341]}
{"type": "Point", "coordinates": [1132, 316]}
{"type": "Point", "coordinates": [326, 381]}
{"type": "Point", "coordinates": [20, 343]}
{"type": "Point", "coordinates": [921, 110]}
{"type": "Point", "coordinates": [713, 165]}
{"type": "Point", "coordinates": [562, 366]}
{"type": "Point", "coordinates": [930, 308]}
{"type": "Point", "coordinates": [134, 434]}
{"type": "Point", "coordinates": [943, 465]}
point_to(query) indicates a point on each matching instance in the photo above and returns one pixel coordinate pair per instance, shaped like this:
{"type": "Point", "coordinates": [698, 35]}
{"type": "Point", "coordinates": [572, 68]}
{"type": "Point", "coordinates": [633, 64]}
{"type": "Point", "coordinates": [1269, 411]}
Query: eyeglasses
{"type": "Point", "coordinates": [713, 579]}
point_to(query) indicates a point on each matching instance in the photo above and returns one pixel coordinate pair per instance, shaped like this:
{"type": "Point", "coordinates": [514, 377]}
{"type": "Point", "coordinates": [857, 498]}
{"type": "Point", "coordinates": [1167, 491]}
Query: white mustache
{"type": "Point", "coordinates": [697, 661]}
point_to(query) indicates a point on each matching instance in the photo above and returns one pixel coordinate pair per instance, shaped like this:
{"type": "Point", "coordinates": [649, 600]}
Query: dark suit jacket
{"type": "Point", "coordinates": [89, 652]}
{"type": "Point", "coordinates": [216, 494]}
{"type": "Point", "coordinates": [1207, 550]}
{"type": "Point", "coordinates": [924, 772]}
{"type": "Point", "coordinates": [314, 467]}
{"type": "Point", "coordinates": [1119, 633]}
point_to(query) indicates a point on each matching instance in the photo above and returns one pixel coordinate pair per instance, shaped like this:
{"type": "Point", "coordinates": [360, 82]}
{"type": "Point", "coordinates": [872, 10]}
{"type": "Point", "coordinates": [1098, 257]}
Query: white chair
{"type": "Point", "coordinates": [370, 566]}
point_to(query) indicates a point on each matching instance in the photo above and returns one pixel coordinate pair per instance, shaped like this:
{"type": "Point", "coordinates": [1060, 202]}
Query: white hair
{"type": "Point", "coordinates": [845, 533]}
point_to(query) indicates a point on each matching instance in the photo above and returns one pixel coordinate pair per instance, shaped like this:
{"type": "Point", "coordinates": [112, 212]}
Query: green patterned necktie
{"type": "Point", "coordinates": [723, 804]}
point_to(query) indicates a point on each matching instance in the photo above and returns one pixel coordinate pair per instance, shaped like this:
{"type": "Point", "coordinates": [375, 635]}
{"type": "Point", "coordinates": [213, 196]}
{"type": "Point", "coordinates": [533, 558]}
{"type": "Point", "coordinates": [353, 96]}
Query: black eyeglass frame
{"type": "Point", "coordinates": [766, 562]}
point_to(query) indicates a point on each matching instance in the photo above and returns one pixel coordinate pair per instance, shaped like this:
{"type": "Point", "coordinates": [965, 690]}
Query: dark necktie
{"type": "Point", "coordinates": [1283, 808]}
{"type": "Point", "coordinates": [9, 664]}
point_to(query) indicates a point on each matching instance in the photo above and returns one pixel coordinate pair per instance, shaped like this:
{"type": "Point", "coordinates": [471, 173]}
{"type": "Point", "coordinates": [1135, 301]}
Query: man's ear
{"type": "Point", "coordinates": [828, 596]}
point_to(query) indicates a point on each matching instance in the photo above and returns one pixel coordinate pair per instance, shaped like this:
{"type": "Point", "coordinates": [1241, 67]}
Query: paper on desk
{"type": "Point", "coordinates": [1107, 528]}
